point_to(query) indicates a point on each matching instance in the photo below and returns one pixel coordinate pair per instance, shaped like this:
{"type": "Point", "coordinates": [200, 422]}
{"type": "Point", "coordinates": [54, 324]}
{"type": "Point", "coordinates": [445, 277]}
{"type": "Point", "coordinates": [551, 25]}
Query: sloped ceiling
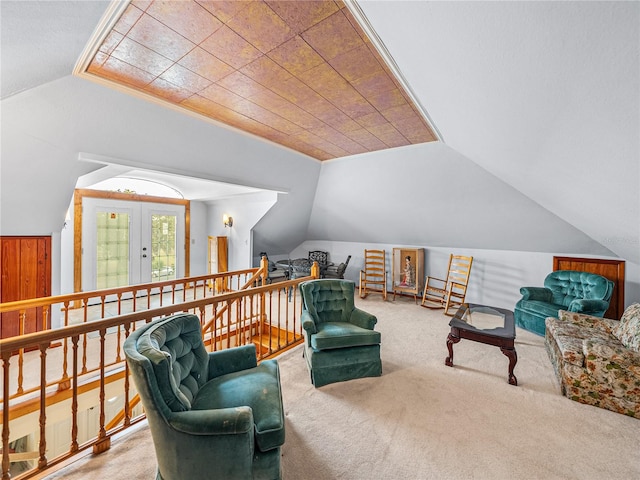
{"type": "Point", "coordinates": [436, 197]}
{"type": "Point", "coordinates": [543, 95]}
{"type": "Point", "coordinates": [41, 41]}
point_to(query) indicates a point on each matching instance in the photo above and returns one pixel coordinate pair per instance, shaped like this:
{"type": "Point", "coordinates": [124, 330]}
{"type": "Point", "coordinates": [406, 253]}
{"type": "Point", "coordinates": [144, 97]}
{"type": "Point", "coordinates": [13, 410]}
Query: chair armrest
{"type": "Point", "coordinates": [307, 322]}
{"type": "Point", "coordinates": [460, 286]}
{"type": "Point", "coordinates": [588, 321]}
{"type": "Point", "coordinates": [332, 268]}
{"type": "Point", "coordinates": [363, 319]}
{"type": "Point", "coordinates": [583, 305]}
{"type": "Point", "coordinates": [435, 279]}
{"type": "Point", "coordinates": [232, 360]}
{"type": "Point", "coordinates": [536, 293]}
{"type": "Point", "coordinates": [223, 421]}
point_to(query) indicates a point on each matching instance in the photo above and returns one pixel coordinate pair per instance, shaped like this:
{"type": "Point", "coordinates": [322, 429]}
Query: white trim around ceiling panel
{"type": "Point", "coordinates": [361, 18]}
{"type": "Point", "coordinates": [115, 9]}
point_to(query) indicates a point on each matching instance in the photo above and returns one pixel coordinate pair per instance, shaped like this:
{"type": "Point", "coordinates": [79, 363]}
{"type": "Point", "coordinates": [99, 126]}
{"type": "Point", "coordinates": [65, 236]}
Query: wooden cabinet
{"type": "Point", "coordinates": [407, 271]}
{"type": "Point", "coordinates": [611, 269]}
{"type": "Point", "coordinates": [26, 273]}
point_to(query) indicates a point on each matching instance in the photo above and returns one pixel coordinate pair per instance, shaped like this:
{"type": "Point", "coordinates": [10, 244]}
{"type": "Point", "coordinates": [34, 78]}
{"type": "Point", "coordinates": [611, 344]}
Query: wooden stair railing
{"type": "Point", "coordinates": [123, 414]}
{"type": "Point", "coordinates": [261, 314]}
{"type": "Point", "coordinates": [260, 274]}
{"type": "Point", "coordinates": [94, 306]}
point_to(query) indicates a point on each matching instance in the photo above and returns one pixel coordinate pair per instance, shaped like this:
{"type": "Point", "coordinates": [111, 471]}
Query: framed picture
{"type": "Point", "coordinates": [408, 270]}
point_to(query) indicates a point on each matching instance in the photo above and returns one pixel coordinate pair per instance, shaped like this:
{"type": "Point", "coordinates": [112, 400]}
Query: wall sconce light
{"type": "Point", "coordinates": [228, 221]}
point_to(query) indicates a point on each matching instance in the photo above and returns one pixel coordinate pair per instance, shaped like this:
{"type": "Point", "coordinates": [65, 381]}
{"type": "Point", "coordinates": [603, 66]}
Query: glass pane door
{"type": "Point", "coordinates": [128, 243]}
{"type": "Point", "coordinates": [112, 249]}
{"type": "Point", "coordinates": [163, 247]}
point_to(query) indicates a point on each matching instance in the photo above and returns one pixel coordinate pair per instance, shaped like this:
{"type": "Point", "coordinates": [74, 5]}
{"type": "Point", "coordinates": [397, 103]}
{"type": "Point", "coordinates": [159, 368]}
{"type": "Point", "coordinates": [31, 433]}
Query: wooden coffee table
{"type": "Point", "coordinates": [488, 325]}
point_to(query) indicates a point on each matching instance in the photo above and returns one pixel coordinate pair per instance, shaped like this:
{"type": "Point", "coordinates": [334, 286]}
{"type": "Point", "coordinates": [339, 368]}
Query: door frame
{"type": "Point", "coordinates": [81, 193]}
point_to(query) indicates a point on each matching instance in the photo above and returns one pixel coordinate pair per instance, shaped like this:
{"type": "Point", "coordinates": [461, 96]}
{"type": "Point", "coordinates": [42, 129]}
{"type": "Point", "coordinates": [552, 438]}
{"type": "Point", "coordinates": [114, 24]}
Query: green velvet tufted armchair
{"type": "Point", "coordinates": [340, 343]}
{"type": "Point", "coordinates": [211, 415]}
{"type": "Point", "coordinates": [573, 291]}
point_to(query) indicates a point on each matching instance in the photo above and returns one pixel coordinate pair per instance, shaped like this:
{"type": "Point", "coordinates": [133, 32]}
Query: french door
{"type": "Point", "coordinates": [126, 243]}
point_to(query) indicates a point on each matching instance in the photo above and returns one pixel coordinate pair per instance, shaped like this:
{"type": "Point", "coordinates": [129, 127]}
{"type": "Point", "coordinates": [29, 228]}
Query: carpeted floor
{"type": "Point", "coordinates": [423, 420]}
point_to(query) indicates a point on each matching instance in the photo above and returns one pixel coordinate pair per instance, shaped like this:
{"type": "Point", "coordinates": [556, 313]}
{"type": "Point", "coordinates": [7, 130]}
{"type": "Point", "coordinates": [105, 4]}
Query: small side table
{"type": "Point", "coordinates": [488, 325]}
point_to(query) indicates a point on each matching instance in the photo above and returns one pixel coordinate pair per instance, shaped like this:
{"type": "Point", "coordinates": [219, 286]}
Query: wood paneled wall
{"type": "Point", "coordinates": [611, 269]}
{"type": "Point", "coordinates": [26, 274]}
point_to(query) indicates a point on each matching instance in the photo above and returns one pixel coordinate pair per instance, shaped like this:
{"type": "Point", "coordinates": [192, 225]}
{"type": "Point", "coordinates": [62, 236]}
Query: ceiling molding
{"type": "Point", "coordinates": [109, 19]}
{"type": "Point", "coordinates": [362, 19]}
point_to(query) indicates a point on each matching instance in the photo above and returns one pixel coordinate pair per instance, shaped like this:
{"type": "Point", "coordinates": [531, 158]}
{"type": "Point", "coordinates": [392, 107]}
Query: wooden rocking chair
{"type": "Point", "coordinates": [374, 273]}
{"type": "Point", "coordinates": [448, 293]}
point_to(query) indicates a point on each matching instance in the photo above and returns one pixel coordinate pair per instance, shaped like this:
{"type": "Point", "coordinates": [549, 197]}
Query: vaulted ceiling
{"type": "Point", "coordinates": [302, 74]}
{"type": "Point", "coordinates": [541, 95]}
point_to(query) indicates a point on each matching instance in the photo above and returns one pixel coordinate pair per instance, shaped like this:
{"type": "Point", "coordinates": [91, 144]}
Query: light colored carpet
{"type": "Point", "coordinates": [424, 420]}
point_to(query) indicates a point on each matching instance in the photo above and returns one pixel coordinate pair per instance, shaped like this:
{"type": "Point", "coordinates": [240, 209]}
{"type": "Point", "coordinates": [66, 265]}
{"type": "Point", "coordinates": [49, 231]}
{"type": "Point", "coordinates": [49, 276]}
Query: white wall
{"type": "Point", "coordinates": [46, 128]}
{"type": "Point", "coordinates": [246, 211]}
{"type": "Point", "coordinates": [432, 195]}
{"type": "Point", "coordinates": [496, 275]}
{"type": "Point", "coordinates": [544, 95]}
{"type": "Point", "coordinates": [199, 243]}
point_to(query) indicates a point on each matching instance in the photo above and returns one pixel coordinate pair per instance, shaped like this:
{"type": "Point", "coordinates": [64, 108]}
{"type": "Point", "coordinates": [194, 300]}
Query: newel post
{"type": "Point", "coordinates": [264, 272]}
{"type": "Point", "coordinates": [264, 269]}
{"type": "Point", "coordinates": [315, 270]}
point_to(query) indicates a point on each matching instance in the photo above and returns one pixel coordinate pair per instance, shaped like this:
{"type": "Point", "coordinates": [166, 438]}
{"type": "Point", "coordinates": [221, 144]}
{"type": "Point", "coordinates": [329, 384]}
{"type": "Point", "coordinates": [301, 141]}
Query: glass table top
{"type": "Point", "coordinates": [488, 320]}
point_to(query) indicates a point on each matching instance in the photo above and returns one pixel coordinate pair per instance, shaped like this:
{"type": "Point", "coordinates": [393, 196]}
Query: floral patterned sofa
{"type": "Point", "coordinates": [597, 360]}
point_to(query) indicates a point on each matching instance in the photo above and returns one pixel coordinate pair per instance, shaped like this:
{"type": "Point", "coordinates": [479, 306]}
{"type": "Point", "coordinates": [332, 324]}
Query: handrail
{"type": "Point", "coordinates": [262, 314]}
{"type": "Point", "coordinates": [36, 339]}
{"type": "Point", "coordinates": [256, 276]}
{"type": "Point", "coordinates": [94, 305]}
{"type": "Point", "coordinates": [74, 297]}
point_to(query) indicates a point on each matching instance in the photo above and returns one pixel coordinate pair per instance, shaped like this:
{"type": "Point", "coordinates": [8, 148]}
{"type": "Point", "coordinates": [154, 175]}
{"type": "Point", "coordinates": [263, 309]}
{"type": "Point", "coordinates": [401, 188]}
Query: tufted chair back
{"type": "Point", "coordinates": [569, 285]}
{"type": "Point", "coordinates": [329, 300]}
{"type": "Point", "coordinates": [174, 347]}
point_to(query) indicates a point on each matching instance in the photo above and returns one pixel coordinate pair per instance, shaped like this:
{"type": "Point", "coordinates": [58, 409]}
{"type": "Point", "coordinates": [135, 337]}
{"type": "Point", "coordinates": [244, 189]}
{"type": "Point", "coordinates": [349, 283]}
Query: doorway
{"type": "Point", "coordinates": [219, 260]}
{"type": "Point", "coordinates": [127, 243]}
{"type": "Point", "coordinates": [128, 239]}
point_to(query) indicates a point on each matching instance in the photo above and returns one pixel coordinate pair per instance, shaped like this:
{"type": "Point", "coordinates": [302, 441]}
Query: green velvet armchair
{"type": "Point", "coordinates": [569, 290]}
{"type": "Point", "coordinates": [211, 415]}
{"type": "Point", "coordinates": [340, 343]}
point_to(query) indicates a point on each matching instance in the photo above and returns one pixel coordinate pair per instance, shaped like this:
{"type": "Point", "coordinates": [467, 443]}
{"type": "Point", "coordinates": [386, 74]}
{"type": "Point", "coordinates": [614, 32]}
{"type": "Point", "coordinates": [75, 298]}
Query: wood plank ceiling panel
{"type": "Point", "coordinates": [302, 74]}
